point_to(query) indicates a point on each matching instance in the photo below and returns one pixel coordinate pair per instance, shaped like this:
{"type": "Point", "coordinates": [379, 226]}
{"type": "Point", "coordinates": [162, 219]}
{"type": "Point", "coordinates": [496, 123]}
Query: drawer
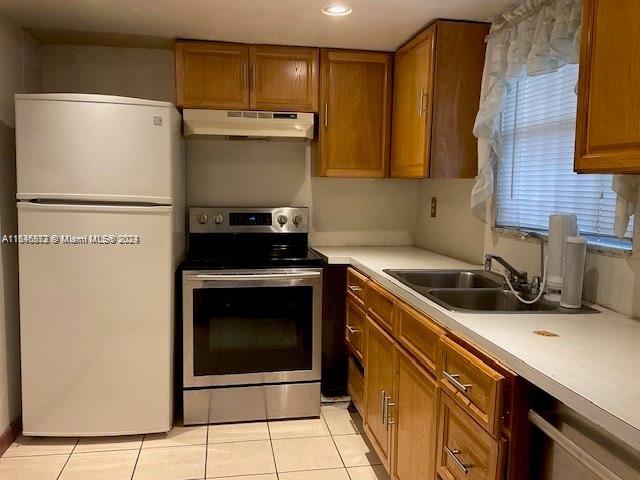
{"type": "Point", "coordinates": [473, 384]}
{"type": "Point", "coordinates": [418, 334]}
{"type": "Point", "coordinates": [465, 450]}
{"type": "Point", "coordinates": [356, 385]}
{"type": "Point", "coordinates": [380, 305]}
{"type": "Point", "coordinates": [354, 332]}
{"type": "Point", "coordinates": [356, 285]}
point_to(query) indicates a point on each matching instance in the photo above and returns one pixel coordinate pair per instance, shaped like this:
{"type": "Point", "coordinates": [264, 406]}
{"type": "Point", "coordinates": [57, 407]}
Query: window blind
{"type": "Point", "coordinates": [535, 175]}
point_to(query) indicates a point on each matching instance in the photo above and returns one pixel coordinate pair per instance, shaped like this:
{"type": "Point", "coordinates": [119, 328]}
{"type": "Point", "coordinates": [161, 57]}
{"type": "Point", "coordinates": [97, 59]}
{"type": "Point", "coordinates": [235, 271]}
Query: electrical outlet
{"type": "Point", "coordinates": [434, 206]}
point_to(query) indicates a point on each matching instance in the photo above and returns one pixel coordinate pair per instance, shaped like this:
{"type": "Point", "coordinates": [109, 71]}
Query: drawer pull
{"type": "Point", "coordinates": [352, 330]}
{"type": "Point", "coordinates": [453, 454]}
{"type": "Point", "coordinates": [354, 288]}
{"type": "Point", "coordinates": [453, 378]}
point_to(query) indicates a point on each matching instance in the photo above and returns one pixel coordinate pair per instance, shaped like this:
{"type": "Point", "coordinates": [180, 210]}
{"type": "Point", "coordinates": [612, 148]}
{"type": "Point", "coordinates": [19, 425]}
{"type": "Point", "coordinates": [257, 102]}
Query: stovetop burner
{"type": "Point", "coordinates": [222, 238]}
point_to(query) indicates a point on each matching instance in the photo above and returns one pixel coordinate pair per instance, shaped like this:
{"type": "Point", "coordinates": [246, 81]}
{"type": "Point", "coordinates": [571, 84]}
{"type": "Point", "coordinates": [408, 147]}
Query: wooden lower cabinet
{"type": "Point", "coordinates": [465, 450]}
{"type": "Point", "coordinates": [415, 421]}
{"type": "Point", "coordinates": [450, 421]}
{"type": "Point", "coordinates": [355, 385]}
{"type": "Point", "coordinates": [378, 382]}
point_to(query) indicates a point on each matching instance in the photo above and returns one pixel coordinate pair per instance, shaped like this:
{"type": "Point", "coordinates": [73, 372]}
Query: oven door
{"type": "Point", "coordinates": [252, 327]}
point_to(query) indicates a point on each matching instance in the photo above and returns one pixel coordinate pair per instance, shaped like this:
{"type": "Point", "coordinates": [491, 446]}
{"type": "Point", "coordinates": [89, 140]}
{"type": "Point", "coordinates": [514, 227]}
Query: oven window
{"type": "Point", "coordinates": [252, 330]}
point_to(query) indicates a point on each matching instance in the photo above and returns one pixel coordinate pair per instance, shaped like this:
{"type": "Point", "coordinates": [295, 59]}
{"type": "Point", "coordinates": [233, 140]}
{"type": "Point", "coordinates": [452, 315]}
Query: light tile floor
{"type": "Point", "coordinates": [328, 448]}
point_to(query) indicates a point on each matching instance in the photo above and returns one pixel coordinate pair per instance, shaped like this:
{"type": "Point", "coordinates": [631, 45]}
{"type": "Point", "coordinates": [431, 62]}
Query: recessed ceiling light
{"type": "Point", "coordinates": [336, 10]}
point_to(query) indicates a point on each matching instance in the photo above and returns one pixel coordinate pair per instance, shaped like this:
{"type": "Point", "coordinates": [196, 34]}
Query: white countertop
{"type": "Point", "coordinates": [593, 365]}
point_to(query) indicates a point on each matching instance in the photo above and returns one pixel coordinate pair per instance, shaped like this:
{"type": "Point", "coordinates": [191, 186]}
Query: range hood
{"type": "Point", "coordinates": [236, 123]}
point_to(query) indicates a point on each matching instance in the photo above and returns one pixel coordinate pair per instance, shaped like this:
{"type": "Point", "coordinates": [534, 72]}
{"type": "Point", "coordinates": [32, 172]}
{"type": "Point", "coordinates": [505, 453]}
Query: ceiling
{"type": "Point", "coordinates": [373, 25]}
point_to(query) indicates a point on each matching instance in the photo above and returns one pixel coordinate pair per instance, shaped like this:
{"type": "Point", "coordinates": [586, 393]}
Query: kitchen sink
{"type": "Point", "coordinates": [487, 300]}
{"type": "Point", "coordinates": [473, 291]}
{"type": "Point", "coordinates": [447, 278]}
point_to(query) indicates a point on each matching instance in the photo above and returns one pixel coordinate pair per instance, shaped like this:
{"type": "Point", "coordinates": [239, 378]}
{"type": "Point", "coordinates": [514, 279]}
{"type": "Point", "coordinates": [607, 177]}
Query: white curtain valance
{"type": "Point", "coordinates": [538, 37]}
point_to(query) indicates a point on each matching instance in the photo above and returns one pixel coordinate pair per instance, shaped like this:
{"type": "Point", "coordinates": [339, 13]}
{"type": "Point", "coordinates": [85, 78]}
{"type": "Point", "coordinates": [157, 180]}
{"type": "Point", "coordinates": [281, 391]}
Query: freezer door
{"type": "Point", "coordinates": [96, 320]}
{"type": "Point", "coordinates": [90, 150]}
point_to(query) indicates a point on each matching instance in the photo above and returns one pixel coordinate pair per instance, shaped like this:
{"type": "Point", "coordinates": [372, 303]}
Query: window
{"type": "Point", "coordinates": [535, 176]}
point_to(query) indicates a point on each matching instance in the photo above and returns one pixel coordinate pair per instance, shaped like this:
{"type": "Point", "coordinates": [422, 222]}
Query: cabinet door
{"type": "Point", "coordinates": [355, 113]}
{"type": "Point", "coordinates": [212, 75]}
{"type": "Point", "coordinates": [608, 123]}
{"type": "Point", "coordinates": [415, 417]}
{"type": "Point", "coordinates": [378, 388]}
{"type": "Point", "coordinates": [284, 79]}
{"type": "Point", "coordinates": [412, 94]}
{"type": "Point", "coordinates": [457, 77]}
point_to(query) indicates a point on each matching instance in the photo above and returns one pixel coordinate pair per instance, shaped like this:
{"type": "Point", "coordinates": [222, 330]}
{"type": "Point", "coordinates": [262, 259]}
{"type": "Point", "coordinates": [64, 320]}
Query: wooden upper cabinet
{"type": "Point", "coordinates": [412, 95]}
{"type": "Point", "coordinates": [212, 75]}
{"type": "Point", "coordinates": [284, 78]}
{"type": "Point", "coordinates": [608, 122]}
{"type": "Point", "coordinates": [355, 113]}
{"type": "Point", "coordinates": [438, 76]}
{"type": "Point", "coordinates": [256, 77]}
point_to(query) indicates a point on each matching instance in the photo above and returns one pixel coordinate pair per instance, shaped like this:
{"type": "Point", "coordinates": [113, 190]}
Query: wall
{"type": "Point", "coordinates": [133, 72]}
{"type": "Point", "coordinates": [454, 231]}
{"type": "Point", "coordinates": [20, 72]}
{"type": "Point", "coordinates": [278, 172]}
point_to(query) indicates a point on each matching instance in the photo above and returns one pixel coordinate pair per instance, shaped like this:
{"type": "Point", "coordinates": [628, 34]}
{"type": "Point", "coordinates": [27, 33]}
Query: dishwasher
{"type": "Point", "coordinates": [569, 446]}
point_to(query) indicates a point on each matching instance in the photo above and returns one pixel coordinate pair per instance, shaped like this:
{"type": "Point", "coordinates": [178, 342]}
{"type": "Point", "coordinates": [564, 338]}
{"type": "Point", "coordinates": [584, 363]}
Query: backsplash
{"type": "Point", "coordinates": [344, 211]}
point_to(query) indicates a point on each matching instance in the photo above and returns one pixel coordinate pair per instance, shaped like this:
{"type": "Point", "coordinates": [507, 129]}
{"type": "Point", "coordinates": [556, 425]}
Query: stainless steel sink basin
{"type": "Point", "coordinates": [487, 300]}
{"type": "Point", "coordinates": [447, 278]}
{"type": "Point", "coordinates": [473, 291]}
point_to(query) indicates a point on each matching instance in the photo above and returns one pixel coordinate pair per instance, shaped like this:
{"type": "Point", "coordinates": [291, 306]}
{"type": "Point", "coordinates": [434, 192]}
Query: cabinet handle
{"type": "Point", "coordinates": [420, 102]}
{"type": "Point", "coordinates": [389, 405]}
{"type": "Point", "coordinates": [245, 75]}
{"type": "Point", "coordinates": [453, 454]}
{"type": "Point", "coordinates": [423, 101]}
{"type": "Point", "coordinates": [383, 398]}
{"type": "Point", "coordinates": [326, 114]}
{"type": "Point", "coordinates": [354, 288]}
{"type": "Point", "coordinates": [352, 330]}
{"type": "Point", "coordinates": [453, 378]}
{"type": "Point", "coordinates": [253, 76]}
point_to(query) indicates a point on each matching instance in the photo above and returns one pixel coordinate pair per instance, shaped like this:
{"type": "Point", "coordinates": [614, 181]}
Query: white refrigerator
{"type": "Point", "coordinates": [100, 190]}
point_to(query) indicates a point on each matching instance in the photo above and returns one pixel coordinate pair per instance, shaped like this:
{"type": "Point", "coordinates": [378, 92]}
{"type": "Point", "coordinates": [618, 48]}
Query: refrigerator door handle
{"type": "Point", "coordinates": [97, 207]}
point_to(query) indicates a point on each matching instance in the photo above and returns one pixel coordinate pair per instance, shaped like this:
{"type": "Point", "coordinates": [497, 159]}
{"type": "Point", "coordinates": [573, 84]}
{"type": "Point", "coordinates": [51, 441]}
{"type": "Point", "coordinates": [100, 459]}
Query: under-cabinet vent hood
{"type": "Point", "coordinates": [235, 123]}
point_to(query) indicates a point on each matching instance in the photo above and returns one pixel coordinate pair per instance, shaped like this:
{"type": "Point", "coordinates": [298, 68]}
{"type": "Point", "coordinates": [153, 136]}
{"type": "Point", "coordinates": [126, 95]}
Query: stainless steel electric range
{"type": "Point", "coordinates": [252, 300]}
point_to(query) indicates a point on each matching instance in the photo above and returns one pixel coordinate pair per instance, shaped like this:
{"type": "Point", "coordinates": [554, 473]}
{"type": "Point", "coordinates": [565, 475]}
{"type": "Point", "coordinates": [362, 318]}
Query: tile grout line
{"type": "Point", "coordinates": [335, 445]}
{"type": "Point", "coordinates": [206, 451]}
{"type": "Point", "coordinates": [273, 452]}
{"type": "Point", "coordinates": [135, 465]}
{"type": "Point", "coordinates": [68, 458]}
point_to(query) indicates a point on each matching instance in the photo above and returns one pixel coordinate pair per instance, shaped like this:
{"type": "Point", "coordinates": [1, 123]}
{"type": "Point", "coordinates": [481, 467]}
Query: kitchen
{"type": "Point", "coordinates": [389, 184]}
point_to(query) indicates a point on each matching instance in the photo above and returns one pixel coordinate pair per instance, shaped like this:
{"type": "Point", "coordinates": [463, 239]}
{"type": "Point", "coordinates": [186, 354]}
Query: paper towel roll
{"type": "Point", "coordinates": [561, 226]}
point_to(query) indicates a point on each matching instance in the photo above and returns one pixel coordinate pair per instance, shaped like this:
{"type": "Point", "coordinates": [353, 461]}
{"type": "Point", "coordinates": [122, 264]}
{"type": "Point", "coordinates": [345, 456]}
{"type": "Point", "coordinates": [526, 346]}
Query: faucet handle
{"type": "Point", "coordinates": [487, 262]}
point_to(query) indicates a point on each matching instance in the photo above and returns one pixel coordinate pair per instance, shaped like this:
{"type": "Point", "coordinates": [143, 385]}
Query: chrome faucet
{"type": "Point", "coordinates": [516, 277]}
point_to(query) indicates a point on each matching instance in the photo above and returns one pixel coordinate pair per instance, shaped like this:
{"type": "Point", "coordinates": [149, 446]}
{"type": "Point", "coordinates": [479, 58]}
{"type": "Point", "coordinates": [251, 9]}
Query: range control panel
{"type": "Point", "coordinates": [248, 220]}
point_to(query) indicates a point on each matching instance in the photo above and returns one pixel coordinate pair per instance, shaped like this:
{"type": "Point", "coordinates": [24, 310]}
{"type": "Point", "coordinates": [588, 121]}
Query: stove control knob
{"type": "Point", "coordinates": [282, 220]}
{"type": "Point", "coordinates": [203, 218]}
{"type": "Point", "coordinates": [297, 220]}
{"type": "Point", "coordinates": [218, 219]}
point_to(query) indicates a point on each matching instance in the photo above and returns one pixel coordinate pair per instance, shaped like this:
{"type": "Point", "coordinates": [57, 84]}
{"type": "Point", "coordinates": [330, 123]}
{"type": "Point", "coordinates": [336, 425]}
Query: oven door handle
{"type": "Point", "coordinates": [248, 277]}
